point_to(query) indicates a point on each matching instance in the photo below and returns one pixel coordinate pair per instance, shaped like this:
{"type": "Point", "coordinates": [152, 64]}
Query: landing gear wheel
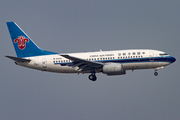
{"type": "Point", "coordinates": [156, 73]}
{"type": "Point", "coordinates": [92, 77]}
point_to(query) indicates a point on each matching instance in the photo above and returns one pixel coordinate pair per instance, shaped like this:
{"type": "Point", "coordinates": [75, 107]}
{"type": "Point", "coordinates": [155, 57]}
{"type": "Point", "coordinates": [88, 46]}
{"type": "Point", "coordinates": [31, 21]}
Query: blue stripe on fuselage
{"type": "Point", "coordinates": [168, 59]}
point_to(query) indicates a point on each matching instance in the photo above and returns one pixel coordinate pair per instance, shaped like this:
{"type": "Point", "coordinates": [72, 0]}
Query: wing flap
{"type": "Point", "coordinates": [84, 64]}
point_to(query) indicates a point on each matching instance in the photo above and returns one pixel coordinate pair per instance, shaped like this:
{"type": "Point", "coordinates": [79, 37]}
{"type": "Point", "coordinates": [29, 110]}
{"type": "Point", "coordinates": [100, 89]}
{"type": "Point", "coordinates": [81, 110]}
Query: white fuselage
{"type": "Point", "coordinates": [130, 60]}
{"type": "Point", "coordinates": [108, 62]}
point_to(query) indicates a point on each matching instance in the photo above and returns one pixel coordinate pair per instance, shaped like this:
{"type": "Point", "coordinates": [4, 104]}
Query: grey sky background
{"type": "Point", "coordinates": [67, 26]}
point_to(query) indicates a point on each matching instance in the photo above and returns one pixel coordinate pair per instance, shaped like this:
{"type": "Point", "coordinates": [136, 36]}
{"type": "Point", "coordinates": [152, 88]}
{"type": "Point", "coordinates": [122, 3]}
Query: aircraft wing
{"type": "Point", "coordinates": [18, 59]}
{"type": "Point", "coordinates": [84, 65]}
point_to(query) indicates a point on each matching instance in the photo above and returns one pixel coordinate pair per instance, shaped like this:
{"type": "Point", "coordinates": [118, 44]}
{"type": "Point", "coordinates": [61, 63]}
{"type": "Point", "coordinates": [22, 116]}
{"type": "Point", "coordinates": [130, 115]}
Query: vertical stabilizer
{"type": "Point", "coordinates": [23, 44]}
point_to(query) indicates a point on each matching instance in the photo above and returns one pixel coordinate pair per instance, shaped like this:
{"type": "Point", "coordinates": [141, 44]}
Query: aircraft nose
{"type": "Point", "coordinates": [172, 59]}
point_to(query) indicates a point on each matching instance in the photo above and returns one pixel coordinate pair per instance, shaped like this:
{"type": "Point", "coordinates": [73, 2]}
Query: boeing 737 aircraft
{"type": "Point", "coordinates": [106, 62]}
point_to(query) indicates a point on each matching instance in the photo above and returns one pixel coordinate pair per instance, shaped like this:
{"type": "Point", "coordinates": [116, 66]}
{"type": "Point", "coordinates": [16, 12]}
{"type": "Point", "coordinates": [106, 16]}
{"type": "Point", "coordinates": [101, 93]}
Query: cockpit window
{"type": "Point", "coordinates": [163, 54]}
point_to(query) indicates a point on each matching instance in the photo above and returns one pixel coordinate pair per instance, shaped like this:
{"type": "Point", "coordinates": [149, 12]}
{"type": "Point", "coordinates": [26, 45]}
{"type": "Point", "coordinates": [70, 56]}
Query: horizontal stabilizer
{"type": "Point", "coordinates": [18, 59]}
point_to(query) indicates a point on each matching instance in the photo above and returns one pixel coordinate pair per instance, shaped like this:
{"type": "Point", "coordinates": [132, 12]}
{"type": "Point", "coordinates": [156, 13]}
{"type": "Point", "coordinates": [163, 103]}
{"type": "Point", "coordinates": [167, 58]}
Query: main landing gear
{"type": "Point", "coordinates": [93, 76]}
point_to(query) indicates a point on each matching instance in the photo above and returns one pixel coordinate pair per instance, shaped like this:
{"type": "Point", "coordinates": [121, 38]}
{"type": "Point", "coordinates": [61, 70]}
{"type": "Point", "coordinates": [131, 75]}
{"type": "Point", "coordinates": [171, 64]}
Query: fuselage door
{"type": "Point", "coordinates": [44, 63]}
{"type": "Point", "coordinates": [151, 56]}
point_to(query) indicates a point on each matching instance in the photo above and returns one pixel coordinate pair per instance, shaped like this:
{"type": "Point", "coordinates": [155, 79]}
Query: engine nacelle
{"type": "Point", "coordinates": [113, 69]}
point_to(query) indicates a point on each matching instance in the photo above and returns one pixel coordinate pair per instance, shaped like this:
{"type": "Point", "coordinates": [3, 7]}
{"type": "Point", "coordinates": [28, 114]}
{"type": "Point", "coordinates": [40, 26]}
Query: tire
{"type": "Point", "coordinates": [92, 77]}
{"type": "Point", "coordinates": [156, 73]}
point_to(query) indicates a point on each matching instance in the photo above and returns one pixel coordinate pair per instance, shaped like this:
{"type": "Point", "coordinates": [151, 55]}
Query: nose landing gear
{"type": "Point", "coordinates": [156, 73]}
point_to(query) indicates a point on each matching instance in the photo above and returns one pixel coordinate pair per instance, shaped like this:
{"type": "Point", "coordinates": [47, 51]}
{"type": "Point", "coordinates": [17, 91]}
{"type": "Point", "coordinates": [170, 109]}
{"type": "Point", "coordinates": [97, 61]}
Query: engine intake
{"type": "Point", "coordinates": [113, 69]}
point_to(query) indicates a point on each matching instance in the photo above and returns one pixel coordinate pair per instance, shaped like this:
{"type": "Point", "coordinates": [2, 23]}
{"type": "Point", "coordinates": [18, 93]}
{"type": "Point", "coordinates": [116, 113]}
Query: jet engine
{"type": "Point", "coordinates": [113, 69]}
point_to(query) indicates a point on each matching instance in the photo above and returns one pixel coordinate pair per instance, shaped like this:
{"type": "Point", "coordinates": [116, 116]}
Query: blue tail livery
{"type": "Point", "coordinates": [23, 44]}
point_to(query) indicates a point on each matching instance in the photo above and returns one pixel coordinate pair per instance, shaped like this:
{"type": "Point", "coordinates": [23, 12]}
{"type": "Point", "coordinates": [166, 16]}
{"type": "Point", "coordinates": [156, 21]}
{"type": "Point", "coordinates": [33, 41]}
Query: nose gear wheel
{"type": "Point", "coordinates": [156, 73]}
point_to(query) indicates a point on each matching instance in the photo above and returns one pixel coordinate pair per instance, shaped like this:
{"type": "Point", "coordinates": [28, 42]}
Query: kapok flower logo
{"type": "Point", "coordinates": [21, 40]}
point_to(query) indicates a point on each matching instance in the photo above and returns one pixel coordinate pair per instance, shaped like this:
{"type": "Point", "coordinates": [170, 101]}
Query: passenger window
{"type": "Point", "coordinates": [124, 53]}
{"type": "Point", "coordinates": [119, 54]}
{"type": "Point", "coordinates": [138, 53]}
{"type": "Point", "coordinates": [134, 53]}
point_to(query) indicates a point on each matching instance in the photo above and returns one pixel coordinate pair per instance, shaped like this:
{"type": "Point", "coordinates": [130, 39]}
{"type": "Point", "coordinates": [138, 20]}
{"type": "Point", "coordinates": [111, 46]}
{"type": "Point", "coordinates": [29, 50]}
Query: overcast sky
{"type": "Point", "coordinates": [67, 26]}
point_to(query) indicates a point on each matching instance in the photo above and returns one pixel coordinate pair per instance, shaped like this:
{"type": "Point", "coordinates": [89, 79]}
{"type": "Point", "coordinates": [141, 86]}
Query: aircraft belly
{"type": "Point", "coordinates": [133, 66]}
{"type": "Point", "coordinates": [61, 69]}
{"type": "Point", "coordinates": [142, 65]}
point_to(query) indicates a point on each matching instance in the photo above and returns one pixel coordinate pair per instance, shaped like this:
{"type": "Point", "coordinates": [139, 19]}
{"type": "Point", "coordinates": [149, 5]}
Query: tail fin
{"type": "Point", "coordinates": [23, 44]}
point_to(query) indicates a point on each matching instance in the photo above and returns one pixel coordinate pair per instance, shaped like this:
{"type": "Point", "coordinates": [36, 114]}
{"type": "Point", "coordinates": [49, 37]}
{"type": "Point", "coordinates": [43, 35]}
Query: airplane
{"type": "Point", "coordinates": [115, 62]}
